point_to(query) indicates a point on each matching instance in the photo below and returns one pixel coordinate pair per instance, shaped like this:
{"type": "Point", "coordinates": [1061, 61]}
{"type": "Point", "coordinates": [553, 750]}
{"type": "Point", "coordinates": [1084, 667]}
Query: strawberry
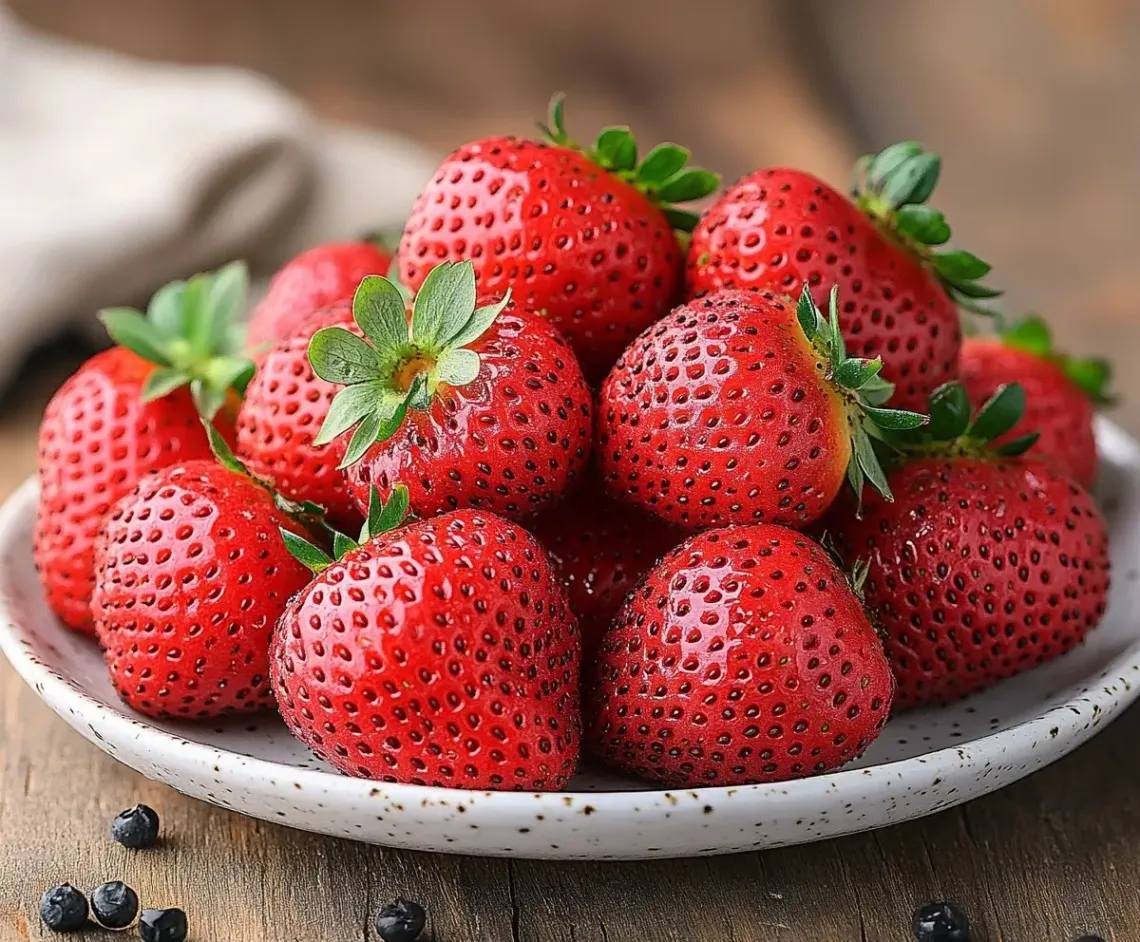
{"type": "Point", "coordinates": [442, 652]}
{"type": "Point", "coordinates": [1061, 391]}
{"type": "Point", "coordinates": [127, 411]}
{"type": "Point", "coordinates": [192, 576]}
{"type": "Point", "coordinates": [740, 408]}
{"type": "Point", "coordinates": [780, 229]}
{"type": "Point", "coordinates": [601, 547]}
{"type": "Point", "coordinates": [988, 562]}
{"type": "Point", "coordinates": [318, 277]}
{"type": "Point", "coordinates": [585, 236]}
{"type": "Point", "coordinates": [469, 405]}
{"type": "Point", "coordinates": [745, 656]}
{"type": "Point", "coordinates": [285, 405]}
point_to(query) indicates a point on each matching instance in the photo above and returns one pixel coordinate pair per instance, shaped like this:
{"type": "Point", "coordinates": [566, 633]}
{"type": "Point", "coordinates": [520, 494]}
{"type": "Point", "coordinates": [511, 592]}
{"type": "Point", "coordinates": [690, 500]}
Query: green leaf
{"type": "Point", "coordinates": [859, 171]}
{"type": "Point", "coordinates": [923, 224]}
{"type": "Point", "coordinates": [913, 181]}
{"type": "Point", "coordinates": [556, 130]}
{"type": "Point", "coordinates": [808, 314]}
{"type": "Point", "coordinates": [869, 462]}
{"type": "Point", "coordinates": [389, 426]}
{"type": "Point", "coordinates": [161, 382]}
{"type": "Point", "coordinates": [380, 311]}
{"type": "Point", "coordinates": [342, 544]}
{"type": "Point", "coordinates": [419, 393]}
{"type": "Point", "coordinates": [949, 412]}
{"type": "Point", "coordinates": [349, 407]}
{"type": "Point", "coordinates": [207, 399]}
{"type": "Point", "coordinates": [616, 149]}
{"type": "Point", "coordinates": [444, 304]}
{"type": "Point", "coordinates": [362, 439]}
{"type": "Point", "coordinates": [894, 419]}
{"type": "Point", "coordinates": [339, 356]}
{"type": "Point", "coordinates": [838, 343]}
{"type": "Point", "coordinates": [481, 318]}
{"type": "Point", "coordinates": [691, 184]}
{"type": "Point", "coordinates": [662, 162]}
{"type": "Point", "coordinates": [888, 160]}
{"type": "Point", "coordinates": [683, 220]}
{"type": "Point", "coordinates": [1001, 413]}
{"type": "Point", "coordinates": [167, 310]}
{"type": "Point", "coordinates": [394, 510]}
{"type": "Point", "coordinates": [1031, 335]}
{"type": "Point", "coordinates": [959, 266]}
{"type": "Point", "coordinates": [855, 373]}
{"type": "Point", "coordinates": [199, 328]}
{"type": "Point", "coordinates": [856, 479]}
{"type": "Point", "coordinates": [225, 300]}
{"type": "Point", "coordinates": [128, 328]}
{"type": "Point", "coordinates": [877, 391]}
{"type": "Point", "coordinates": [457, 366]}
{"type": "Point", "coordinates": [371, 525]}
{"type": "Point", "coordinates": [1019, 445]}
{"type": "Point", "coordinates": [225, 371]}
{"type": "Point", "coordinates": [308, 555]}
{"type": "Point", "coordinates": [969, 290]}
{"type": "Point", "coordinates": [222, 451]}
{"type": "Point", "coordinates": [1092, 374]}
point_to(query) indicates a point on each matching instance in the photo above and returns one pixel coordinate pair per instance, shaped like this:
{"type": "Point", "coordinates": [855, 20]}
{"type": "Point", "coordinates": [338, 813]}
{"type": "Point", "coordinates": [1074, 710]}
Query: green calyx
{"type": "Point", "coordinates": [863, 388]}
{"type": "Point", "coordinates": [892, 187]}
{"type": "Point", "coordinates": [1091, 374]}
{"type": "Point", "coordinates": [193, 334]}
{"type": "Point", "coordinates": [663, 174]}
{"type": "Point", "coordinates": [956, 431]}
{"type": "Point", "coordinates": [382, 517]}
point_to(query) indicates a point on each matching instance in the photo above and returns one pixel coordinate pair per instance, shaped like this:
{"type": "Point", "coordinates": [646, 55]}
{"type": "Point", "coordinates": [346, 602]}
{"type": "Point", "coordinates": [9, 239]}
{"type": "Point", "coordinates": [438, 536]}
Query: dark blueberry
{"type": "Point", "coordinates": [162, 925]}
{"type": "Point", "coordinates": [63, 908]}
{"type": "Point", "coordinates": [114, 905]}
{"type": "Point", "coordinates": [401, 921]}
{"type": "Point", "coordinates": [136, 827]}
{"type": "Point", "coordinates": [941, 922]}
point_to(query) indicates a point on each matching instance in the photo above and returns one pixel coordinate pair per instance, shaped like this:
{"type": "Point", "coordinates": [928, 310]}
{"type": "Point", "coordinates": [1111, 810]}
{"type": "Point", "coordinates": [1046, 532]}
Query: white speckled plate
{"type": "Point", "coordinates": [923, 761]}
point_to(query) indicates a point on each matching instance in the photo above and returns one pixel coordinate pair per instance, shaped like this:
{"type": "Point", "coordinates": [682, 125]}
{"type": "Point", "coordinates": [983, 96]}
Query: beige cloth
{"type": "Point", "coordinates": [118, 175]}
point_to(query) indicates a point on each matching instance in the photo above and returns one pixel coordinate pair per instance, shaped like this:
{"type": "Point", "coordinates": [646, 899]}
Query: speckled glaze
{"type": "Point", "coordinates": [923, 762]}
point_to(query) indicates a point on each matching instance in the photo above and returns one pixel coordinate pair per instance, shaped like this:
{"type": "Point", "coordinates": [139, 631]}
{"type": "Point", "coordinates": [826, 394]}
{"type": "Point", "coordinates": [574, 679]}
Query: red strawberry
{"type": "Point", "coordinates": [1061, 391]}
{"type": "Point", "coordinates": [468, 406]}
{"type": "Point", "coordinates": [745, 656]}
{"type": "Point", "coordinates": [986, 564]}
{"type": "Point", "coordinates": [780, 229]}
{"type": "Point", "coordinates": [318, 277]}
{"type": "Point", "coordinates": [440, 653]}
{"type": "Point", "coordinates": [285, 405]}
{"type": "Point", "coordinates": [602, 547]}
{"type": "Point", "coordinates": [127, 411]}
{"type": "Point", "coordinates": [583, 236]}
{"type": "Point", "coordinates": [192, 577]}
{"type": "Point", "coordinates": [729, 411]}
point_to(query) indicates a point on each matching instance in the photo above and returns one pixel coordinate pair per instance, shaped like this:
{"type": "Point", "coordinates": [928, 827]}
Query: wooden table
{"type": "Point", "coordinates": [1032, 103]}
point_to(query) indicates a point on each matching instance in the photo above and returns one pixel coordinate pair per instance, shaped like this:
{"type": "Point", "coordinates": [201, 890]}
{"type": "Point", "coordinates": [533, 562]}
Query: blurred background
{"type": "Point", "coordinates": [1032, 104]}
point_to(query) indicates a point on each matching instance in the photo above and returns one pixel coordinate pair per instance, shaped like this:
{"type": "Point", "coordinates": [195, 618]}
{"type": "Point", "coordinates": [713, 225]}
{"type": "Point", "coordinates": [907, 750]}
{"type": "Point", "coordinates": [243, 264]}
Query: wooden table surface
{"type": "Point", "coordinates": [1032, 102]}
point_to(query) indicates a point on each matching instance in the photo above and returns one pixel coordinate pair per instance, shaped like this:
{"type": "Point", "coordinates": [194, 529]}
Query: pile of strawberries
{"type": "Point", "coordinates": [581, 471]}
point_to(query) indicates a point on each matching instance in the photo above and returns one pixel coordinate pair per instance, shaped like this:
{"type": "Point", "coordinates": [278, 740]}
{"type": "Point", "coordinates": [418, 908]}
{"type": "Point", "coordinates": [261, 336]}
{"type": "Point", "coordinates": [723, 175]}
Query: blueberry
{"type": "Point", "coordinates": [941, 922]}
{"type": "Point", "coordinates": [136, 827]}
{"type": "Point", "coordinates": [162, 925]}
{"type": "Point", "coordinates": [401, 921]}
{"type": "Point", "coordinates": [114, 905]}
{"type": "Point", "coordinates": [63, 908]}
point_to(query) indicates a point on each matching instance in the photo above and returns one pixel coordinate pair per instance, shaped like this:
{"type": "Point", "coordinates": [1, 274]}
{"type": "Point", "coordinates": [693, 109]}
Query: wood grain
{"type": "Point", "coordinates": [1029, 100]}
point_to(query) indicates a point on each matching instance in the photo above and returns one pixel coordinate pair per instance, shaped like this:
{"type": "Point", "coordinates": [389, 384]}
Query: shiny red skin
{"type": "Point", "coordinates": [284, 408]}
{"type": "Point", "coordinates": [572, 241]}
{"type": "Point", "coordinates": [778, 227]}
{"type": "Point", "coordinates": [721, 413]}
{"type": "Point", "coordinates": [979, 570]}
{"type": "Point", "coordinates": [601, 547]}
{"type": "Point", "coordinates": [192, 575]}
{"type": "Point", "coordinates": [1054, 405]}
{"type": "Point", "coordinates": [512, 441]}
{"type": "Point", "coordinates": [442, 653]}
{"type": "Point", "coordinates": [316, 278]}
{"type": "Point", "coordinates": [743, 657]}
{"type": "Point", "coordinates": [97, 438]}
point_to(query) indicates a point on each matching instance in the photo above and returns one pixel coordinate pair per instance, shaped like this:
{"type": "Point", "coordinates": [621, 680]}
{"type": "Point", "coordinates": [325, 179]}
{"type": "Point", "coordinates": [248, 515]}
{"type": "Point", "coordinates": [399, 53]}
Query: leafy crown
{"type": "Point", "coordinates": [1091, 374]}
{"type": "Point", "coordinates": [382, 517]}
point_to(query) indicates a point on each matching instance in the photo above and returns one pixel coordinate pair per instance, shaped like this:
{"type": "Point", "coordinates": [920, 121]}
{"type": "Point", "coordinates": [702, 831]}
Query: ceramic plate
{"type": "Point", "coordinates": [923, 761]}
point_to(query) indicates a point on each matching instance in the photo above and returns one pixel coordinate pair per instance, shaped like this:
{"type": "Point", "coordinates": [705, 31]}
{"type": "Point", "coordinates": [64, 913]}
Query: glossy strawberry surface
{"type": "Point", "coordinates": [441, 653]}
{"type": "Point", "coordinates": [573, 242]}
{"type": "Point", "coordinates": [743, 657]}
{"type": "Point", "coordinates": [192, 576]}
{"type": "Point", "coordinates": [778, 228]}
{"type": "Point", "coordinates": [96, 439]}
{"type": "Point", "coordinates": [979, 570]}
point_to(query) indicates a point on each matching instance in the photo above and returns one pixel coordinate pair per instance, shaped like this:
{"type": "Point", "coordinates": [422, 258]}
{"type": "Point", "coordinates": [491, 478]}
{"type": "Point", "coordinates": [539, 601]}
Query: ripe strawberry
{"type": "Point", "coordinates": [440, 653]}
{"type": "Point", "coordinates": [582, 235]}
{"type": "Point", "coordinates": [988, 562]}
{"type": "Point", "coordinates": [780, 229]}
{"type": "Point", "coordinates": [127, 411]}
{"type": "Point", "coordinates": [729, 411]}
{"type": "Point", "coordinates": [468, 406]}
{"type": "Point", "coordinates": [284, 407]}
{"type": "Point", "coordinates": [601, 547]}
{"type": "Point", "coordinates": [318, 277]}
{"type": "Point", "coordinates": [745, 656]}
{"type": "Point", "coordinates": [1061, 391]}
{"type": "Point", "coordinates": [191, 578]}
